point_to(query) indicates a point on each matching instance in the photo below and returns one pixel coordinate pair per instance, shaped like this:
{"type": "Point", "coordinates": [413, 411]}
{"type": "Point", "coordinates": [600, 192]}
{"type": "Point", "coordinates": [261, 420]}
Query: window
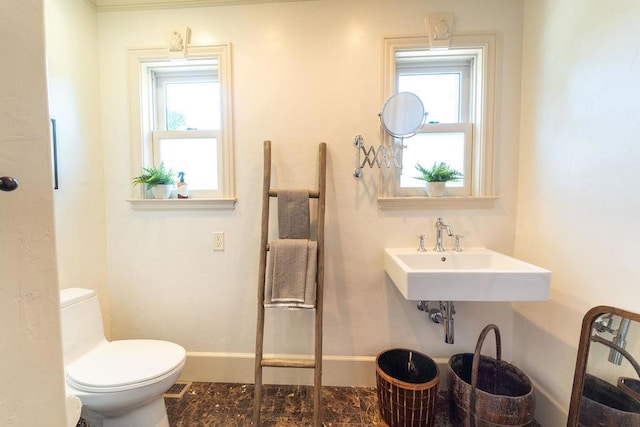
{"type": "Point", "coordinates": [187, 124]}
{"type": "Point", "coordinates": [443, 82]}
{"type": "Point", "coordinates": [456, 87]}
{"type": "Point", "coordinates": [181, 116]}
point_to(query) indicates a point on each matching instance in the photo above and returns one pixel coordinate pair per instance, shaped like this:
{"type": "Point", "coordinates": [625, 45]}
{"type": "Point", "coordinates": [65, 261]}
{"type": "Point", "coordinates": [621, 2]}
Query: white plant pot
{"type": "Point", "coordinates": [161, 191]}
{"type": "Point", "coordinates": [436, 189]}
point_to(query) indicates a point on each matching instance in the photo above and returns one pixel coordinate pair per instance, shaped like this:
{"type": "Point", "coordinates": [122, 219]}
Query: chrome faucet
{"type": "Point", "coordinates": [421, 247]}
{"type": "Point", "coordinates": [440, 226]}
{"type": "Point", "coordinates": [456, 245]}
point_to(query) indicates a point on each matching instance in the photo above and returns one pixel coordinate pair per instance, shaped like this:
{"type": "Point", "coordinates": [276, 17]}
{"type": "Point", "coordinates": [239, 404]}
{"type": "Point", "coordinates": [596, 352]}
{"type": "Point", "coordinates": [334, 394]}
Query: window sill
{"type": "Point", "coordinates": [446, 202]}
{"type": "Point", "coordinates": [182, 204]}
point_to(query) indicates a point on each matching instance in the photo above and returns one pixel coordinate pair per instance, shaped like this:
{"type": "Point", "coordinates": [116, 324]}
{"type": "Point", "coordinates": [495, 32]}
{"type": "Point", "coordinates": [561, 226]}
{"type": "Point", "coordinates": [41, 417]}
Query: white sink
{"type": "Point", "coordinates": [476, 274]}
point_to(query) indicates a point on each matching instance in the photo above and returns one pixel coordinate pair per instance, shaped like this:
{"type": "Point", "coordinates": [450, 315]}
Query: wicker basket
{"type": "Point", "coordinates": [407, 384]}
{"type": "Point", "coordinates": [489, 392]}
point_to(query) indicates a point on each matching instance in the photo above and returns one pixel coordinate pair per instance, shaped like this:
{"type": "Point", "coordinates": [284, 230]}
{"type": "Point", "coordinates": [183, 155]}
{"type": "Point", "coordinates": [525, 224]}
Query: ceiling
{"type": "Point", "coordinates": [120, 5]}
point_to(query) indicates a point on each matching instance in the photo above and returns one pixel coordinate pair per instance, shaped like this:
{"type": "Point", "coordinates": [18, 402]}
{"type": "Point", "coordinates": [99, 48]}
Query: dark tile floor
{"type": "Point", "coordinates": [231, 405]}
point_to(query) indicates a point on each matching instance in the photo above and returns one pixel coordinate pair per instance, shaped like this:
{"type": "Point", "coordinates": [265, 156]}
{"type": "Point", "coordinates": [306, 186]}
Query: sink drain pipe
{"type": "Point", "coordinates": [443, 314]}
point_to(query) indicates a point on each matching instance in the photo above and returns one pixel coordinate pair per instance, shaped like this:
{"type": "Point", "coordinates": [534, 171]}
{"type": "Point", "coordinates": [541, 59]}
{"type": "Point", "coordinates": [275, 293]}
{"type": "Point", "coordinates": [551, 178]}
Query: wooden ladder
{"type": "Point", "coordinates": [316, 362]}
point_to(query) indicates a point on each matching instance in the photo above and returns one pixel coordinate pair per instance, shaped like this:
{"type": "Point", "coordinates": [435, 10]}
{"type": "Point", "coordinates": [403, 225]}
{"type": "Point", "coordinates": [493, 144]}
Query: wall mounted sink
{"type": "Point", "coordinates": [476, 274]}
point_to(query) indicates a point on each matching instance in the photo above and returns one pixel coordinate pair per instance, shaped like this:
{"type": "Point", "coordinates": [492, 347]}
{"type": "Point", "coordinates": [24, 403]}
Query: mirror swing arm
{"type": "Point", "coordinates": [381, 155]}
{"type": "Point", "coordinates": [402, 116]}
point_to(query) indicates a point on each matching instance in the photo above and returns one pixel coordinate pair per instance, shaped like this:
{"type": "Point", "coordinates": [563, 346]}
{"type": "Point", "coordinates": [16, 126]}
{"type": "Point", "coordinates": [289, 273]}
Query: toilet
{"type": "Point", "coordinates": [120, 383]}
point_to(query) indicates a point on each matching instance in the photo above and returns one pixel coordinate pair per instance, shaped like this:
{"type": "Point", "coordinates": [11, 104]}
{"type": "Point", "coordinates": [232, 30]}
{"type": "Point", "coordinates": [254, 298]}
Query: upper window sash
{"type": "Point", "coordinates": [162, 78]}
{"type": "Point", "coordinates": [427, 65]}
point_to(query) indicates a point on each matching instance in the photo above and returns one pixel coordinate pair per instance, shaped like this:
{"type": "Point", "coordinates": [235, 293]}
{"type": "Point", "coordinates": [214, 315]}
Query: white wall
{"type": "Point", "coordinates": [30, 352]}
{"type": "Point", "coordinates": [74, 96]}
{"type": "Point", "coordinates": [578, 191]}
{"type": "Point", "coordinates": [319, 81]}
{"type": "Point", "coordinates": [302, 73]}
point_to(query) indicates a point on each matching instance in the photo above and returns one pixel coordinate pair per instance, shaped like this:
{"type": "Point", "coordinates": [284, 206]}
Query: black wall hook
{"type": "Point", "coordinates": [8, 183]}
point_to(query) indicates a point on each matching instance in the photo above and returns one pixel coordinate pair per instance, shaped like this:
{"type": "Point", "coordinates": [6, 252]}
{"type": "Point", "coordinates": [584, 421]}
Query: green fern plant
{"type": "Point", "coordinates": [153, 176]}
{"type": "Point", "coordinates": [439, 172]}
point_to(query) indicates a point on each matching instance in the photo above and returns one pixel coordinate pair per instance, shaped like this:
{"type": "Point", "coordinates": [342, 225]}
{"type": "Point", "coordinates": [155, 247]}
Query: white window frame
{"type": "Point", "coordinates": [481, 171]}
{"type": "Point", "coordinates": [142, 63]}
{"type": "Point", "coordinates": [434, 62]}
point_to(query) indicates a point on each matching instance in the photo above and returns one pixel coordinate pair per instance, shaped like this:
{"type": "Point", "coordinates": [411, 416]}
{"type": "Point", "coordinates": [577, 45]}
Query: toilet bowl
{"type": "Point", "coordinates": [73, 408]}
{"type": "Point", "coordinates": [120, 383]}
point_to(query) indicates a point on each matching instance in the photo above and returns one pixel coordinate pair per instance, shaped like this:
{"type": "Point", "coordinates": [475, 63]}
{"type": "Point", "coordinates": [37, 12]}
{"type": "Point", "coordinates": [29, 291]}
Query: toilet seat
{"type": "Point", "coordinates": [123, 365]}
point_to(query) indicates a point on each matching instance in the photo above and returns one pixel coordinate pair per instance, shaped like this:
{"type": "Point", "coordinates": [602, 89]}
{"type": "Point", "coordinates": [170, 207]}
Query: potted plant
{"type": "Point", "coordinates": [159, 180]}
{"type": "Point", "coordinates": [436, 177]}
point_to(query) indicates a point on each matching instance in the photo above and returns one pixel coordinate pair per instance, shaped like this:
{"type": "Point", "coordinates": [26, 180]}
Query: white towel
{"type": "Point", "coordinates": [303, 290]}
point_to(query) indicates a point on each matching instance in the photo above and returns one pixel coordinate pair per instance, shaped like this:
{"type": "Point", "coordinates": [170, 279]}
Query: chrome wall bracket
{"type": "Point", "coordinates": [604, 324]}
{"type": "Point", "coordinates": [382, 155]}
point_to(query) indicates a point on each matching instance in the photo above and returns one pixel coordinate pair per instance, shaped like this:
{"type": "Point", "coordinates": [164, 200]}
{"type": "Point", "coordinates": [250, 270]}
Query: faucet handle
{"type": "Point", "coordinates": [456, 245]}
{"type": "Point", "coordinates": [421, 247]}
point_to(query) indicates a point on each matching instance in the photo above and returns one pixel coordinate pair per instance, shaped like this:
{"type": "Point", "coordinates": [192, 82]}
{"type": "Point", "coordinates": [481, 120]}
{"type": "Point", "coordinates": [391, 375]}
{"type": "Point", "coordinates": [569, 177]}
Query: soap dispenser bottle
{"type": "Point", "coordinates": [183, 189]}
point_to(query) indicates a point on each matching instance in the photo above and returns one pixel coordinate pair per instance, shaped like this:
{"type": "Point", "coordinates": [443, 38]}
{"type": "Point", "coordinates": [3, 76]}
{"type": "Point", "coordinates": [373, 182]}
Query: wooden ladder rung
{"type": "Point", "coordinates": [288, 363]}
{"type": "Point", "coordinates": [312, 194]}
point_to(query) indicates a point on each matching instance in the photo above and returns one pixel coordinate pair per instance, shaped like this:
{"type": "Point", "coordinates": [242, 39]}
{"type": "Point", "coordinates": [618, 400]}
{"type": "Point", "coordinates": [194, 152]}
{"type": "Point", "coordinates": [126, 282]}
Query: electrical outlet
{"type": "Point", "coordinates": [218, 241]}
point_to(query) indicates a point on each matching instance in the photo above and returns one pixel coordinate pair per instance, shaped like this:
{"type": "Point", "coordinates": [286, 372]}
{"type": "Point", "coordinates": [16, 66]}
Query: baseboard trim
{"type": "Point", "coordinates": [341, 371]}
{"type": "Point", "coordinates": [239, 368]}
{"type": "Point", "coordinates": [345, 371]}
{"type": "Point", "coordinates": [549, 412]}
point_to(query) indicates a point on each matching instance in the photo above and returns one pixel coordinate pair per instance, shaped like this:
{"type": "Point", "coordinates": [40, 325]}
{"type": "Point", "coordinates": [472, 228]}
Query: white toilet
{"type": "Point", "coordinates": [120, 383]}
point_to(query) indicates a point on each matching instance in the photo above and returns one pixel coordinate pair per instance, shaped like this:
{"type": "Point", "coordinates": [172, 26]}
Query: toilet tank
{"type": "Point", "coordinates": [81, 322]}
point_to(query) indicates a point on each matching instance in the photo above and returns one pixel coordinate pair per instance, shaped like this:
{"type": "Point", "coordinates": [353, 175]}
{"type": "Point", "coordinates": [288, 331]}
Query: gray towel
{"type": "Point", "coordinates": [303, 290]}
{"type": "Point", "coordinates": [312, 267]}
{"type": "Point", "coordinates": [289, 270]}
{"type": "Point", "coordinates": [293, 214]}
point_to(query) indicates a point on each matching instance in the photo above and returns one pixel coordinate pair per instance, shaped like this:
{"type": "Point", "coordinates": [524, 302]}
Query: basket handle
{"type": "Point", "coordinates": [476, 355]}
{"type": "Point", "coordinates": [475, 365]}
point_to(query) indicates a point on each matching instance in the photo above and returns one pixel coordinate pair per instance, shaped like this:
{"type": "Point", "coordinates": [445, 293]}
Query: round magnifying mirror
{"type": "Point", "coordinates": [403, 115]}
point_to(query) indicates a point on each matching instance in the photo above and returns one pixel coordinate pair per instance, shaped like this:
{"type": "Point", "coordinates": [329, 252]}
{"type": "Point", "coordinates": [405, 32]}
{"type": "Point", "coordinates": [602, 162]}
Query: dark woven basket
{"type": "Point", "coordinates": [407, 385]}
{"type": "Point", "coordinates": [611, 406]}
{"type": "Point", "coordinates": [489, 392]}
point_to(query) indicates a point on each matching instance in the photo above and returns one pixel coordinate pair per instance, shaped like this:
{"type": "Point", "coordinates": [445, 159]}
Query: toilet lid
{"type": "Point", "coordinates": [119, 364]}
